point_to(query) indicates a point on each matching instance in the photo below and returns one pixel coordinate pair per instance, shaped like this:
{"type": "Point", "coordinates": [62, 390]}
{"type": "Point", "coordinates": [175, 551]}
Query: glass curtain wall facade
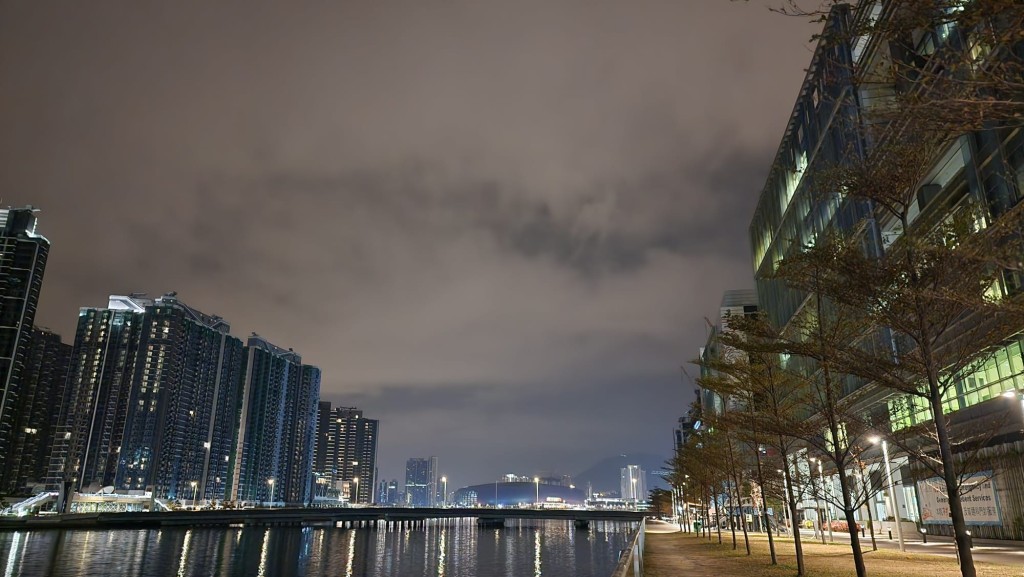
{"type": "Point", "coordinates": [984, 169]}
{"type": "Point", "coordinates": [23, 254]}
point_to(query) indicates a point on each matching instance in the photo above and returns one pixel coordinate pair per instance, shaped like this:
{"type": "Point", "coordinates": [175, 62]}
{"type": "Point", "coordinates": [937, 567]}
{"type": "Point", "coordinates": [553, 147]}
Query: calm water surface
{"type": "Point", "coordinates": [459, 549]}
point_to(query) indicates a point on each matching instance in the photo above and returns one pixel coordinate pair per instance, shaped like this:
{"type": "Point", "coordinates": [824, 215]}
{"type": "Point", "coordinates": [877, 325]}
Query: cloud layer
{"type": "Point", "coordinates": [496, 226]}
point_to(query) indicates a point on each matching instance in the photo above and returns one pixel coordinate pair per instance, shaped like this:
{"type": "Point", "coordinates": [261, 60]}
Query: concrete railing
{"type": "Point", "coordinates": [632, 557]}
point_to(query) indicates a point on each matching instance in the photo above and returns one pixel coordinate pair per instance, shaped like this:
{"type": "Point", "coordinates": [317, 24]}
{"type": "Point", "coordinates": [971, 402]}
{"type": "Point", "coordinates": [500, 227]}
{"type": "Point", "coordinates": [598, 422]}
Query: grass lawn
{"type": "Point", "coordinates": [684, 555]}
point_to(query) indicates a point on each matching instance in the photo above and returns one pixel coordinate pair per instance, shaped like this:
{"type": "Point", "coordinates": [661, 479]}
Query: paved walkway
{"type": "Point", "coordinates": [664, 557]}
{"type": "Point", "coordinates": [986, 550]}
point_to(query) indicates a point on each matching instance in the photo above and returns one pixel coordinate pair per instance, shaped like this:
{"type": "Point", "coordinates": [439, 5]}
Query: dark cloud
{"type": "Point", "coordinates": [497, 226]}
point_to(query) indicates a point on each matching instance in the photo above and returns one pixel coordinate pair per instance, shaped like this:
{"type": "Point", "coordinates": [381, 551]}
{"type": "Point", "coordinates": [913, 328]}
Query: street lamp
{"type": "Point", "coordinates": [270, 482]}
{"type": "Point", "coordinates": [817, 507]}
{"type": "Point", "coordinates": [828, 509]}
{"type": "Point", "coordinates": [195, 490]}
{"type": "Point", "coordinates": [536, 483]}
{"type": "Point", "coordinates": [785, 500]}
{"type": "Point", "coordinates": [444, 494]}
{"type": "Point", "coordinates": [892, 490]}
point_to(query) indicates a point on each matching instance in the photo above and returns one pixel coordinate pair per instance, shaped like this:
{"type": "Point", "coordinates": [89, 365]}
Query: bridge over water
{"type": "Point", "coordinates": [372, 517]}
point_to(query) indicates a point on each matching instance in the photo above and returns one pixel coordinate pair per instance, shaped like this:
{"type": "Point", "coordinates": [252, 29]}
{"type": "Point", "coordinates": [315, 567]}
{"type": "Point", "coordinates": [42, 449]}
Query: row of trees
{"type": "Point", "coordinates": [908, 315]}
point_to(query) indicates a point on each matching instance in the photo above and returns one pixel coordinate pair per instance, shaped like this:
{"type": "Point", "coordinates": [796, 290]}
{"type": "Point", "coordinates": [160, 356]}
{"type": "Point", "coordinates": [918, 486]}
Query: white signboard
{"type": "Point", "coordinates": [978, 497]}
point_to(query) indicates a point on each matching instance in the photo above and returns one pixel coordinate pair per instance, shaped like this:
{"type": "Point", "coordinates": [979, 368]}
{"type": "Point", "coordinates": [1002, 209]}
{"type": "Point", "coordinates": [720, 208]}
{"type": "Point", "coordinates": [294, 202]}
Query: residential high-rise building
{"type": "Point", "coordinates": [276, 434]}
{"type": "Point", "coordinates": [37, 410]}
{"type": "Point", "coordinates": [633, 483]}
{"type": "Point", "coordinates": [421, 482]}
{"type": "Point", "coordinates": [23, 254]}
{"type": "Point", "coordinates": [184, 391]}
{"type": "Point", "coordinates": [346, 450]}
{"type": "Point", "coordinates": [94, 409]}
{"type": "Point", "coordinates": [387, 493]}
{"type": "Point", "coordinates": [152, 400]}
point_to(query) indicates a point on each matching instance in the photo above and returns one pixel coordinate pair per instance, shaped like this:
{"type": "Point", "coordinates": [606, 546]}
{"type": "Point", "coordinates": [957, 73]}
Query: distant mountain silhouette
{"type": "Point", "coordinates": [605, 475]}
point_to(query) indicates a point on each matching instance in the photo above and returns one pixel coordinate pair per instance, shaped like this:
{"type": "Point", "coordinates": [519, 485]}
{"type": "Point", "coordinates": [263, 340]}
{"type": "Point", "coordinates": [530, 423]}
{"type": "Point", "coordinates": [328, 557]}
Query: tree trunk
{"type": "Point", "coordinates": [739, 502]}
{"type": "Point", "coordinates": [868, 504]}
{"type": "Point", "coordinates": [764, 507]}
{"type": "Point", "coordinates": [851, 526]}
{"type": "Point", "coordinates": [718, 519]}
{"type": "Point", "coordinates": [949, 475]}
{"type": "Point", "coordinates": [791, 503]}
{"type": "Point", "coordinates": [729, 515]}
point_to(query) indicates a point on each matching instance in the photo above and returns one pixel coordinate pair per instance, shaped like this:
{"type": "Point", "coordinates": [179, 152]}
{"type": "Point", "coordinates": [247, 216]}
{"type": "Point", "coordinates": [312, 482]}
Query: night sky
{"type": "Point", "coordinates": [496, 227]}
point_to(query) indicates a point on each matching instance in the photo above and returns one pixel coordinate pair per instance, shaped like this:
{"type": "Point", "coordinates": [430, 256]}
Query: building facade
{"type": "Point", "coordinates": [37, 411]}
{"type": "Point", "coordinates": [633, 483]}
{"type": "Point", "coordinates": [160, 399]}
{"type": "Point", "coordinates": [274, 448]}
{"type": "Point", "coordinates": [151, 400]}
{"type": "Point", "coordinates": [23, 254]}
{"type": "Point", "coordinates": [94, 409]}
{"type": "Point", "coordinates": [984, 168]}
{"type": "Point", "coordinates": [421, 482]}
{"type": "Point", "coordinates": [347, 452]}
{"type": "Point", "coordinates": [734, 302]}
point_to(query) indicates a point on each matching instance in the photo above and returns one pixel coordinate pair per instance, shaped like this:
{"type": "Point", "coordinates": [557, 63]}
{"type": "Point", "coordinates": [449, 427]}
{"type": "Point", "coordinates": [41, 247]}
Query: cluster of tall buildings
{"type": "Point", "coordinates": [983, 168]}
{"type": "Point", "coordinates": [153, 397]}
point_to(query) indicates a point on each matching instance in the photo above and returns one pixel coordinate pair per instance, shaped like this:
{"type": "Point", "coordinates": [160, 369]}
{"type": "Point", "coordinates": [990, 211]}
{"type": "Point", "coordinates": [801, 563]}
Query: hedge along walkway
{"type": "Point", "coordinates": [684, 555]}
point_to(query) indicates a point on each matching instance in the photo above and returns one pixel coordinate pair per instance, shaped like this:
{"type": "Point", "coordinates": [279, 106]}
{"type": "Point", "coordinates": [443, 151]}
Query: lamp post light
{"type": "Point", "coordinates": [1014, 394]}
{"type": "Point", "coordinates": [444, 493]}
{"type": "Point", "coordinates": [892, 491]}
{"type": "Point", "coordinates": [270, 482]}
{"type": "Point", "coordinates": [536, 484]}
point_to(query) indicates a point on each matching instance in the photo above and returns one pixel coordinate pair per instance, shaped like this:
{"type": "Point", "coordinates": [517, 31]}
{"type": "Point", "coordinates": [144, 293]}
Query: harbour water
{"type": "Point", "coordinates": [443, 549]}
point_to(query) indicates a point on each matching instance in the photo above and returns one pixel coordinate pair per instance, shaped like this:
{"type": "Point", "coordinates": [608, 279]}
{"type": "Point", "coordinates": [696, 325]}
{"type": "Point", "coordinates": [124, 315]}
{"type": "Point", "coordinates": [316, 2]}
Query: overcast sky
{"type": "Point", "coordinates": [496, 226]}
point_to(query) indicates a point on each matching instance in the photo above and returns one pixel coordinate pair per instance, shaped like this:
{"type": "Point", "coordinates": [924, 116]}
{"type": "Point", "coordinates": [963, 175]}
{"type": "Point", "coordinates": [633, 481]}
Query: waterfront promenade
{"type": "Point", "coordinates": [669, 553]}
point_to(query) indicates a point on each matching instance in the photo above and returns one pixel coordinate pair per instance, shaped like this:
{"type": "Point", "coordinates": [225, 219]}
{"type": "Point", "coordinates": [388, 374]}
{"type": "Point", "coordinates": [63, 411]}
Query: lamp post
{"type": "Point", "coordinates": [817, 506]}
{"type": "Point", "coordinates": [892, 491]}
{"type": "Point", "coordinates": [785, 500]}
{"type": "Point", "coordinates": [867, 498]}
{"type": "Point", "coordinates": [828, 510]}
{"type": "Point", "coordinates": [195, 491]}
{"type": "Point", "coordinates": [270, 482]}
{"type": "Point", "coordinates": [536, 484]}
{"type": "Point", "coordinates": [355, 496]}
{"type": "Point", "coordinates": [444, 493]}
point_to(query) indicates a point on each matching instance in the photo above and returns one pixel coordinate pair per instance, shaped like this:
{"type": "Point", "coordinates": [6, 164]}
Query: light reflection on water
{"type": "Point", "coordinates": [455, 549]}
